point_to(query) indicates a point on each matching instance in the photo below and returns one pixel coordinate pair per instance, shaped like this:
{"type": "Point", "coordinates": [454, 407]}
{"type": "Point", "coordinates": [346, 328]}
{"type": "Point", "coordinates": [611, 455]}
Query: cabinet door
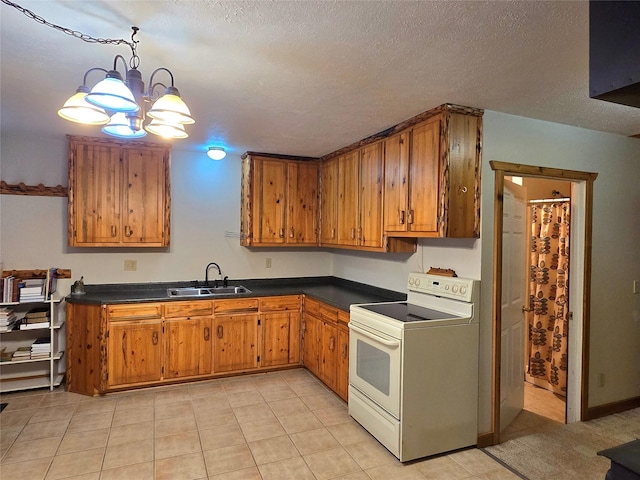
{"type": "Point", "coordinates": [275, 338]}
{"type": "Point", "coordinates": [329, 202]}
{"type": "Point", "coordinates": [269, 201]}
{"type": "Point", "coordinates": [235, 342]}
{"type": "Point", "coordinates": [134, 352]}
{"type": "Point", "coordinates": [329, 354]}
{"type": "Point", "coordinates": [143, 219]}
{"type": "Point", "coordinates": [94, 204]}
{"type": "Point", "coordinates": [342, 377]}
{"type": "Point", "coordinates": [348, 182]}
{"type": "Point", "coordinates": [188, 347]}
{"type": "Point", "coordinates": [302, 203]}
{"type": "Point", "coordinates": [311, 343]}
{"type": "Point", "coordinates": [396, 187]}
{"type": "Point", "coordinates": [371, 179]}
{"type": "Point", "coordinates": [423, 190]}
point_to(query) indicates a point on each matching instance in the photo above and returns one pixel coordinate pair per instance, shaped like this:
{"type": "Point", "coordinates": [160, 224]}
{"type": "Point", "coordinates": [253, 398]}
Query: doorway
{"type": "Point", "coordinates": [504, 402]}
{"type": "Point", "coordinates": [544, 263]}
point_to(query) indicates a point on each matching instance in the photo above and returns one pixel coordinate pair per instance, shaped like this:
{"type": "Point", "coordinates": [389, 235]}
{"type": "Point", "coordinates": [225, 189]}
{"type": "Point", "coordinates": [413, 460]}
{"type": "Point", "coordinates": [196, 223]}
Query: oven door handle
{"type": "Point", "coordinates": [371, 336]}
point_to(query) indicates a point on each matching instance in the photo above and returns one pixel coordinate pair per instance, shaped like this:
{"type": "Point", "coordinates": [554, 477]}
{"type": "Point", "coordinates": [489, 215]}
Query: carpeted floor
{"type": "Point", "coordinates": [568, 452]}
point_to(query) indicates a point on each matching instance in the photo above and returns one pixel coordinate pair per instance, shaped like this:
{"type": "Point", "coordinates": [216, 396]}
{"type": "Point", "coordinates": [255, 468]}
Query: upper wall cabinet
{"type": "Point", "coordinates": [432, 177]}
{"type": "Point", "coordinates": [119, 193]}
{"type": "Point", "coordinates": [279, 203]}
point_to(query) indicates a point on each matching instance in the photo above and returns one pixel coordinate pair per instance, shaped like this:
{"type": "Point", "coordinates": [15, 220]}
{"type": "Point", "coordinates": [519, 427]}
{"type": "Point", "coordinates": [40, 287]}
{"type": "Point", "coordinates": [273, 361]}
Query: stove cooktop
{"type": "Point", "coordinates": [406, 312]}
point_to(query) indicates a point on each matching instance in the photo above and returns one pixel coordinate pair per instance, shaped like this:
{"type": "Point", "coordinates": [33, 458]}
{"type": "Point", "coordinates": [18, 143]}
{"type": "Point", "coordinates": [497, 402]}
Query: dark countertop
{"type": "Point", "coordinates": [334, 291]}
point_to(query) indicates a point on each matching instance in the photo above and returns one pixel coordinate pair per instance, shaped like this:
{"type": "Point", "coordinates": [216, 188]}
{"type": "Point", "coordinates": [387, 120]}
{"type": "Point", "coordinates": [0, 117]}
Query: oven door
{"type": "Point", "coordinates": [374, 366]}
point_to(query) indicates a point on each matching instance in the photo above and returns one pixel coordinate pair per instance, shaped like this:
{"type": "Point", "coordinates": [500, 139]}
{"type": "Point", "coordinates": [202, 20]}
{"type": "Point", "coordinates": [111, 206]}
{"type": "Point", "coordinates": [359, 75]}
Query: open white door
{"type": "Point", "coordinates": [513, 299]}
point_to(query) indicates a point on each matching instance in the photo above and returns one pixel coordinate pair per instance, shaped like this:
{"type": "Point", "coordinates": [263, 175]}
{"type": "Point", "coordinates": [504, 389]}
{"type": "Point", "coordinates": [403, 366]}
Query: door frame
{"type": "Point", "coordinates": [502, 169]}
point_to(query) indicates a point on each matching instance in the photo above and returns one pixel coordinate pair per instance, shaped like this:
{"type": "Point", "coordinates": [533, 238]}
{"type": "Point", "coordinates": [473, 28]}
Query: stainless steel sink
{"type": "Point", "coordinates": [206, 291]}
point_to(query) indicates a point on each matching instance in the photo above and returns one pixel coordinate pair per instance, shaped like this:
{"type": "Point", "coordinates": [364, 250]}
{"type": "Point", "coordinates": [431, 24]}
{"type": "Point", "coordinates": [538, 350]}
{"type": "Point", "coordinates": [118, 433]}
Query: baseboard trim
{"type": "Point", "coordinates": [486, 440]}
{"type": "Point", "coordinates": [611, 408]}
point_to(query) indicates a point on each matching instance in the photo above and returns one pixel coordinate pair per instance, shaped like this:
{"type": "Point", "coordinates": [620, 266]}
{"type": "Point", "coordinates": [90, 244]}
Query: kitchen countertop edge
{"type": "Point", "coordinates": [335, 291]}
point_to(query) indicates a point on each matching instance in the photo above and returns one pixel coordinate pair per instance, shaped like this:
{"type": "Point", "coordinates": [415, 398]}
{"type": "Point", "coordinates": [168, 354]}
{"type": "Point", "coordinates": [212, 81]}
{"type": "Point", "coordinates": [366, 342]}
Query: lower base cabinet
{"type": "Point", "coordinates": [326, 344]}
{"type": "Point", "coordinates": [114, 347]}
{"type": "Point", "coordinates": [235, 343]}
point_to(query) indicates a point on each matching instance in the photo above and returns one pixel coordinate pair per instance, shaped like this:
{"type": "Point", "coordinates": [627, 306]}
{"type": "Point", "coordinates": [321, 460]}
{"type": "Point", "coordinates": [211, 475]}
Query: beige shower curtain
{"type": "Point", "coordinates": [549, 295]}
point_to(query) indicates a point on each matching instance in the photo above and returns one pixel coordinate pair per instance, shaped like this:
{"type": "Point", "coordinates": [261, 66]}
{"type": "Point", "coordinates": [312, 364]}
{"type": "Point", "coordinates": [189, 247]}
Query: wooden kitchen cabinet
{"type": "Point", "coordinates": [279, 201]}
{"type": "Point", "coordinates": [235, 342]}
{"type": "Point", "coordinates": [280, 330]}
{"type": "Point", "coordinates": [324, 354]}
{"type": "Point", "coordinates": [188, 343]}
{"type": "Point", "coordinates": [235, 334]}
{"type": "Point", "coordinates": [432, 177]}
{"type": "Point", "coordinates": [329, 202]}
{"type": "Point", "coordinates": [119, 193]}
{"type": "Point", "coordinates": [134, 344]}
{"type": "Point", "coordinates": [342, 375]}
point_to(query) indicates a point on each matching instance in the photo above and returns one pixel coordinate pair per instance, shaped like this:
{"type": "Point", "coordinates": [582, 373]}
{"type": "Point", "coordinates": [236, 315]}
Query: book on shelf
{"type": "Point", "coordinates": [5, 356]}
{"type": "Point", "coordinates": [9, 288]}
{"type": "Point", "coordinates": [38, 312]}
{"type": "Point", "coordinates": [34, 325]}
{"type": "Point", "coordinates": [22, 353]}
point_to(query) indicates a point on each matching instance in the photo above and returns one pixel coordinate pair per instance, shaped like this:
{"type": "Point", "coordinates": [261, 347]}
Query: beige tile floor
{"type": "Point", "coordinates": [282, 425]}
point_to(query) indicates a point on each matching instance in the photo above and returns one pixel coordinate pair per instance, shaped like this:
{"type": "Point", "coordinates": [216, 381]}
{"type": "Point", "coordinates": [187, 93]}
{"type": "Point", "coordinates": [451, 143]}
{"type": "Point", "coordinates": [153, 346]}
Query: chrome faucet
{"type": "Point", "coordinates": [206, 274]}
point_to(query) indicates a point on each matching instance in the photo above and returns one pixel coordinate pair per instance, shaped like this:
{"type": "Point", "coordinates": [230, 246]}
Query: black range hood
{"type": "Point", "coordinates": [614, 51]}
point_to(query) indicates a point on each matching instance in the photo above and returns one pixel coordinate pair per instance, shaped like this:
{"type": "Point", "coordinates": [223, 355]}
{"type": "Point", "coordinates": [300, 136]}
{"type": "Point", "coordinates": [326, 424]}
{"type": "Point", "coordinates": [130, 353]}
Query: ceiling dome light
{"type": "Point", "coordinates": [120, 127]}
{"type": "Point", "coordinates": [78, 110]}
{"type": "Point", "coordinates": [216, 153]}
{"type": "Point", "coordinates": [171, 109]}
{"type": "Point", "coordinates": [166, 130]}
{"type": "Point", "coordinates": [112, 94]}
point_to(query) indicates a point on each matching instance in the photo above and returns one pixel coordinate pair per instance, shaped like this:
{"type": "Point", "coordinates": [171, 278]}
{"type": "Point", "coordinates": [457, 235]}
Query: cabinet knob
{"type": "Point", "coordinates": [462, 189]}
{"type": "Point", "coordinates": [207, 333]}
{"type": "Point", "coordinates": [400, 217]}
{"type": "Point", "coordinates": [344, 350]}
{"type": "Point", "coordinates": [114, 230]}
{"type": "Point", "coordinates": [332, 343]}
{"type": "Point", "coordinates": [128, 231]}
{"type": "Point", "coordinates": [220, 331]}
{"type": "Point", "coordinates": [282, 233]}
{"type": "Point", "coordinates": [291, 234]}
{"type": "Point", "coordinates": [410, 217]}
{"type": "Point", "coordinates": [154, 338]}
{"type": "Point", "coordinates": [353, 233]}
{"type": "Point", "coordinates": [333, 233]}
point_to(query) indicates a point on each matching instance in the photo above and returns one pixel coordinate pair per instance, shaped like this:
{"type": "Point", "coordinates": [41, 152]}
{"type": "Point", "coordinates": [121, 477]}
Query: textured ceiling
{"type": "Point", "coordinates": [309, 77]}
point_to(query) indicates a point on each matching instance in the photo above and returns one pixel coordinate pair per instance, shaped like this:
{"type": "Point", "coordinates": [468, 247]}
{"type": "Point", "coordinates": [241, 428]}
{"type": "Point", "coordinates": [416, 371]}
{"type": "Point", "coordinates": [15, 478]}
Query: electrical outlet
{"type": "Point", "coordinates": [267, 262]}
{"type": "Point", "coordinates": [130, 265]}
{"type": "Point", "coordinates": [601, 381]}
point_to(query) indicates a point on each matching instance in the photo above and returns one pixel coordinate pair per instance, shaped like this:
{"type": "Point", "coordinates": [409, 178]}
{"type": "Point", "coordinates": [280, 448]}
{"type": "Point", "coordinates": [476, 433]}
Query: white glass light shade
{"type": "Point", "coordinates": [112, 94]}
{"type": "Point", "coordinates": [216, 153]}
{"type": "Point", "coordinates": [78, 110]}
{"type": "Point", "coordinates": [119, 126]}
{"type": "Point", "coordinates": [171, 109]}
{"type": "Point", "coordinates": [166, 130]}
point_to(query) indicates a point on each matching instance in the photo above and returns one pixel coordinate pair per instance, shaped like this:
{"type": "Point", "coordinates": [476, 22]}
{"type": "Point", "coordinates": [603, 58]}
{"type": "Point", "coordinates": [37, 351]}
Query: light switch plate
{"type": "Point", "coordinates": [130, 265]}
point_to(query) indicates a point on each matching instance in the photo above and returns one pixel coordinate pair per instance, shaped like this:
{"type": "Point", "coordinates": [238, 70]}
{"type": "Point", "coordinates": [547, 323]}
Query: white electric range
{"type": "Point", "coordinates": [413, 367]}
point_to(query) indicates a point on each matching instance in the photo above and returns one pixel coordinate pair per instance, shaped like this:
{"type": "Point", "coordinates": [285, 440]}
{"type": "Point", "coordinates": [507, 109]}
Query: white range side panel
{"type": "Point", "coordinates": [439, 404]}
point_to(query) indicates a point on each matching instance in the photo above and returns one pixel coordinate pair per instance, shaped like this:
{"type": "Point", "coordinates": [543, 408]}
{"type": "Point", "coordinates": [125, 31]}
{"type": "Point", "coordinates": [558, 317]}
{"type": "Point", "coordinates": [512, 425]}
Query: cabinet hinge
{"type": "Point", "coordinates": [258, 358]}
{"type": "Point", "coordinates": [106, 334]}
{"type": "Point", "coordinates": [107, 376]}
{"type": "Point", "coordinates": [259, 322]}
{"type": "Point", "coordinates": [162, 370]}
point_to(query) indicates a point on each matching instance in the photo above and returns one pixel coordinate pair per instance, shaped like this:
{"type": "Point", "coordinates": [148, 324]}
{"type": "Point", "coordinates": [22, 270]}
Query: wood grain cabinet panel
{"type": "Point", "coordinates": [432, 177]}
{"type": "Point", "coordinates": [134, 352]}
{"type": "Point", "coordinates": [279, 201]}
{"type": "Point", "coordinates": [119, 193]}
{"type": "Point", "coordinates": [235, 342]}
{"type": "Point", "coordinates": [188, 347]}
{"type": "Point", "coordinates": [342, 375]}
{"type": "Point", "coordinates": [329, 202]}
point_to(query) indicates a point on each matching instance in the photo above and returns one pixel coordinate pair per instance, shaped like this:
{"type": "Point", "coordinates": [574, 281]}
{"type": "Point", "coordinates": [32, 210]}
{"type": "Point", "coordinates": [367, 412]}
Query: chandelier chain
{"type": "Point", "coordinates": [68, 31]}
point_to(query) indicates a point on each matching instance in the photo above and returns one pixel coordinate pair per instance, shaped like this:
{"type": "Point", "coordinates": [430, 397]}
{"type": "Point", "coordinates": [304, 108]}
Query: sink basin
{"type": "Point", "coordinates": [206, 291]}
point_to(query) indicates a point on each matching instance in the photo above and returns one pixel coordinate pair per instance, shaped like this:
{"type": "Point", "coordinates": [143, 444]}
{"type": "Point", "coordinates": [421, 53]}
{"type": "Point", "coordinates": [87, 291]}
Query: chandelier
{"type": "Point", "coordinates": [120, 102]}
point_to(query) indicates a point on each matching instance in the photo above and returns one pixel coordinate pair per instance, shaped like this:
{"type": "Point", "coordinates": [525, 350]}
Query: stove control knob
{"type": "Point", "coordinates": [455, 289]}
{"type": "Point", "coordinates": [411, 280]}
{"type": "Point", "coordinates": [446, 287]}
{"type": "Point", "coordinates": [417, 282]}
{"type": "Point", "coordinates": [463, 290]}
